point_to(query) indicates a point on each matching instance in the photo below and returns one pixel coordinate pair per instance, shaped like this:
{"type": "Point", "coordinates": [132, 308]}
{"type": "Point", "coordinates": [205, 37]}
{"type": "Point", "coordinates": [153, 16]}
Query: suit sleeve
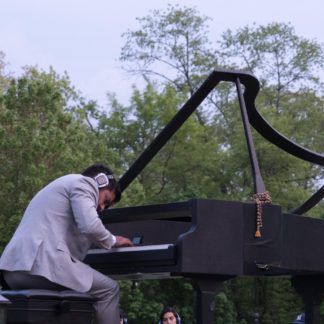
{"type": "Point", "coordinates": [84, 200]}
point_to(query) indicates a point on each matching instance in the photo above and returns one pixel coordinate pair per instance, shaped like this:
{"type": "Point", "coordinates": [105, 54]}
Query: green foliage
{"type": "Point", "coordinates": [275, 54]}
{"type": "Point", "coordinates": [173, 40]}
{"type": "Point", "coordinates": [137, 304]}
{"type": "Point", "coordinates": [171, 47]}
{"type": "Point", "coordinates": [143, 301]}
{"type": "Point", "coordinates": [225, 311]}
{"type": "Point", "coordinates": [278, 302]}
{"type": "Point", "coordinates": [132, 129]}
{"type": "Point", "coordinates": [41, 137]}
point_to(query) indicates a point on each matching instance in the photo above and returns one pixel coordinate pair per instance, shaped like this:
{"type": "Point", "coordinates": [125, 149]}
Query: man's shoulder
{"type": "Point", "coordinates": [73, 178]}
{"type": "Point", "coordinates": [72, 182]}
{"type": "Point", "coordinates": [80, 181]}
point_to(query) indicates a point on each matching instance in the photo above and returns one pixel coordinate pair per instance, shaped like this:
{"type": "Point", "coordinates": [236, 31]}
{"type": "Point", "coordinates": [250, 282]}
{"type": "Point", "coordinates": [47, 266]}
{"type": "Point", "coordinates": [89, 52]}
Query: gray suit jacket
{"type": "Point", "coordinates": [56, 231]}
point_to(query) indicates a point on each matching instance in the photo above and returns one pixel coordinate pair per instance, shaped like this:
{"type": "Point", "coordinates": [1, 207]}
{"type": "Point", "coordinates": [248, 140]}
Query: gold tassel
{"type": "Point", "coordinates": [257, 233]}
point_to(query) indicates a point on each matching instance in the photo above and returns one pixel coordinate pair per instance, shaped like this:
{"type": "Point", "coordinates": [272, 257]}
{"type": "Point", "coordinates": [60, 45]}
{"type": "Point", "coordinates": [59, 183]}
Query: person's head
{"type": "Point", "coordinates": [169, 316]}
{"type": "Point", "coordinates": [109, 191]}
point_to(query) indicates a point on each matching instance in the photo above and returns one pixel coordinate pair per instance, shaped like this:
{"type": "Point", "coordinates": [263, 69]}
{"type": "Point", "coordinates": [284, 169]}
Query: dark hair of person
{"type": "Point", "coordinates": [97, 168]}
{"type": "Point", "coordinates": [168, 309]}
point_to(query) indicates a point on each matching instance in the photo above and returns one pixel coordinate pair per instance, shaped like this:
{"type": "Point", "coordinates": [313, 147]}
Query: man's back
{"type": "Point", "coordinates": [58, 219]}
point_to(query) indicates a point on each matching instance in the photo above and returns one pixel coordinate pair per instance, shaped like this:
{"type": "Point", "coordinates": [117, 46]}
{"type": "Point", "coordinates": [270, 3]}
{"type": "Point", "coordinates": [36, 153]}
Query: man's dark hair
{"type": "Point", "coordinates": [97, 168]}
{"type": "Point", "coordinates": [169, 309]}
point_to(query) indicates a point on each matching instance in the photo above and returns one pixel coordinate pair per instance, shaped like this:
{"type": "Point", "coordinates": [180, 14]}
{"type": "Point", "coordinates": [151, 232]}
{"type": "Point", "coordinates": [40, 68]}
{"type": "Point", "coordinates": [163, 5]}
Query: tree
{"type": "Point", "coordinates": [3, 75]}
{"type": "Point", "coordinates": [282, 60]}
{"type": "Point", "coordinates": [174, 40]}
{"type": "Point", "coordinates": [171, 46]}
{"type": "Point", "coordinates": [225, 312]}
{"type": "Point", "coordinates": [42, 136]}
{"type": "Point", "coordinates": [133, 128]}
{"type": "Point", "coordinates": [143, 301]}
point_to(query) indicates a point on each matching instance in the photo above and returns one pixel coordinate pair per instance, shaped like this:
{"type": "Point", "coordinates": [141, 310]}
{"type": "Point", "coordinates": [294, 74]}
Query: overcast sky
{"type": "Point", "coordinates": [83, 37]}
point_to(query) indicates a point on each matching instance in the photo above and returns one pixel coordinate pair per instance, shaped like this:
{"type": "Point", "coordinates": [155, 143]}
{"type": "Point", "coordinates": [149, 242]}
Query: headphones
{"type": "Point", "coordinates": [102, 179]}
{"type": "Point", "coordinates": [170, 310]}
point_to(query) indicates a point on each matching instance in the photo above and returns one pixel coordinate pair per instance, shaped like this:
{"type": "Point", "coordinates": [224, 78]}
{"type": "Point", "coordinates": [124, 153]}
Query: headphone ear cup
{"type": "Point", "coordinates": [102, 180]}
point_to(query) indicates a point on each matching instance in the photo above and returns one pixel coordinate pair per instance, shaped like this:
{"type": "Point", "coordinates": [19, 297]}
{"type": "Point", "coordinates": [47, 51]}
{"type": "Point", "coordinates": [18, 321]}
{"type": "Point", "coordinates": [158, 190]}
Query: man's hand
{"type": "Point", "coordinates": [122, 241]}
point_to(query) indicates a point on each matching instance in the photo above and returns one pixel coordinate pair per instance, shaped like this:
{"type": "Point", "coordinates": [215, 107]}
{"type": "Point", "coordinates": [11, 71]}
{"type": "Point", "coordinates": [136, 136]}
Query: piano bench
{"type": "Point", "coordinates": [39, 306]}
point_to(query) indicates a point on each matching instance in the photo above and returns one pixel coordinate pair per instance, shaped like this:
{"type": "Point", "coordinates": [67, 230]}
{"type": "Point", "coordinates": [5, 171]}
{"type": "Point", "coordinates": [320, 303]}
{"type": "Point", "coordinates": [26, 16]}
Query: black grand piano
{"type": "Point", "coordinates": [210, 241]}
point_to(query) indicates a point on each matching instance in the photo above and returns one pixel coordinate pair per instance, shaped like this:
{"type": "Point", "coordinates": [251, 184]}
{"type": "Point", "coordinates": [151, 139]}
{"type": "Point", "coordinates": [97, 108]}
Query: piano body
{"type": "Point", "coordinates": [209, 241]}
{"type": "Point", "coordinates": [190, 238]}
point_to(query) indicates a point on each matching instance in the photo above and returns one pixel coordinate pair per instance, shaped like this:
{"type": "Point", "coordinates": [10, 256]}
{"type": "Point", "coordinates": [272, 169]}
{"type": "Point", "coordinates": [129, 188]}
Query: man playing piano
{"type": "Point", "coordinates": [58, 227]}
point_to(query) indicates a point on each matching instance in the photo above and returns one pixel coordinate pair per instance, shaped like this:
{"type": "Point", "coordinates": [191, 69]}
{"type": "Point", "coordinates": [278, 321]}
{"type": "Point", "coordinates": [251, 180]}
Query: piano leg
{"type": "Point", "coordinates": [310, 288]}
{"type": "Point", "coordinates": [206, 289]}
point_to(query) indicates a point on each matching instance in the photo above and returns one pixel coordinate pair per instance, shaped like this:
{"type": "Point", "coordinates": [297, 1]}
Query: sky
{"type": "Point", "coordinates": [83, 37]}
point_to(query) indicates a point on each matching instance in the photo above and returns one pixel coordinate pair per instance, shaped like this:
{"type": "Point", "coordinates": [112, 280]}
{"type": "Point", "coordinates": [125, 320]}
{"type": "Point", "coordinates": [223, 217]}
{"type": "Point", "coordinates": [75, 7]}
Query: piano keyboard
{"type": "Point", "coordinates": [153, 247]}
{"type": "Point", "coordinates": [134, 261]}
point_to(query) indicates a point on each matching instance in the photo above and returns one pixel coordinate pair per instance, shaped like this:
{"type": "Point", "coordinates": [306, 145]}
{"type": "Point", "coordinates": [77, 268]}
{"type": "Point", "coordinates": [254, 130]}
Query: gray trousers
{"type": "Point", "coordinates": [103, 288]}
